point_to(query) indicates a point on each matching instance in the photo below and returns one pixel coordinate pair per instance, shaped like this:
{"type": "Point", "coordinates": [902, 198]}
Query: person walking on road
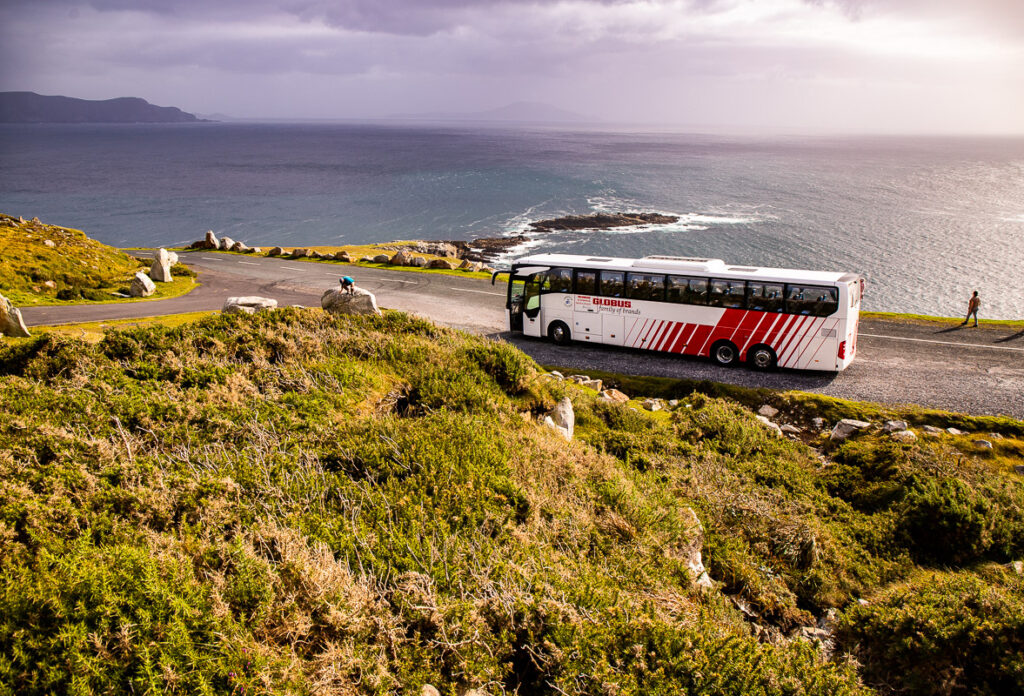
{"type": "Point", "coordinates": [972, 308]}
{"type": "Point", "coordinates": [348, 285]}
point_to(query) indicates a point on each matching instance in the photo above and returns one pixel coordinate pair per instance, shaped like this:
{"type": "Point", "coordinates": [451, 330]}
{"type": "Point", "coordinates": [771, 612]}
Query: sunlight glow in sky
{"type": "Point", "coordinates": [939, 66]}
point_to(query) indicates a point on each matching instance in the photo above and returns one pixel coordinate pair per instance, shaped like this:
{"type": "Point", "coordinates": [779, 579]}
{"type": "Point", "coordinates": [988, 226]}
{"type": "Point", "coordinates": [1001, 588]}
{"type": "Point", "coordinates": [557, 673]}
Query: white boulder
{"type": "Point", "coordinates": [141, 286]}
{"type": "Point", "coordinates": [337, 301]}
{"type": "Point", "coordinates": [11, 321]}
{"type": "Point", "coordinates": [161, 270]}
{"type": "Point", "coordinates": [564, 417]}
{"type": "Point", "coordinates": [248, 305]}
{"type": "Point", "coordinates": [211, 241]}
{"type": "Point", "coordinates": [847, 427]}
{"type": "Point", "coordinates": [226, 243]}
{"type": "Point", "coordinates": [768, 411]}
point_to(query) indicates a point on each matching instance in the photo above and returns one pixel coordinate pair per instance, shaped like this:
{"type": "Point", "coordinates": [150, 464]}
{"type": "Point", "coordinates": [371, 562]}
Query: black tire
{"type": "Point", "coordinates": [559, 333]}
{"type": "Point", "coordinates": [761, 358]}
{"type": "Point", "coordinates": [724, 353]}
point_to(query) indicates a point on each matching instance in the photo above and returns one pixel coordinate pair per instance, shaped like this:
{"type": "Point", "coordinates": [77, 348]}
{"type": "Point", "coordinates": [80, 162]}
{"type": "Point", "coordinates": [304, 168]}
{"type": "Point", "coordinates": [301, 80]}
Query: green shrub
{"type": "Point", "coordinates": [942, 633]}
{"type": "Point", "coordinates": [945, 521]}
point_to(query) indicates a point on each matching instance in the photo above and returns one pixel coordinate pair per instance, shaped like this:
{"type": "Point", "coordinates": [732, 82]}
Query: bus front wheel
{"type": "Point", "coordinates": [725, 354]}
{"type": "Point", "coordinates": [559, 333]}
{"type": "Point", "coordinates": [761, 358]}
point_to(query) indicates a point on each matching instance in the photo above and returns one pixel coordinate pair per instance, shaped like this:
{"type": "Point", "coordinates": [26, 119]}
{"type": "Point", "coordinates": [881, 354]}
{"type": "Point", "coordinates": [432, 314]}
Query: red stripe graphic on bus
{"type": "Point", "coordinates": [666, 335]}
{"type": "Point", "coordinates": [800, 334]}
{"type": "Point", "coordinates": [660, 336]}
{"type": "Point", "coordinates": [787, 338]}
{"type": "Point", "coordinates": [746, 326]}
{"type": "Point", "coordinates": [673, 340]}
{"type": "Point", "coordinates": [683, 339]}
{"type": "Point", "coordinates": [671, 335]}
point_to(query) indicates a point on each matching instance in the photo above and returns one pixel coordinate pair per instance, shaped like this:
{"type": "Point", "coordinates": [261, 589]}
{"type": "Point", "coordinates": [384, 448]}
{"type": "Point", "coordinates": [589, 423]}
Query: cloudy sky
{"type": "Point", "coordinates": [929, 66]}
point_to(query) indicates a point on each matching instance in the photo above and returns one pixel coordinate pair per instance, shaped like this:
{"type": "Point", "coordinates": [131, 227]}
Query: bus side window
{"type": "Point", "coordinates": [612, 283]}
{"type": "Point", "coordinates": [557, 280]}
{"type": "Point", "coordinates": [814, 300]}
{"type": "Point", "coordinates": [645, 286]}
{"type": "Point", "coordinates": [586, 282]}
{"type": "Point", "coordinates": [686, 290]}
{"type": "Point", "coordinates": [764, 297]}
{"type": "Point", "coordinates": [727, 293]}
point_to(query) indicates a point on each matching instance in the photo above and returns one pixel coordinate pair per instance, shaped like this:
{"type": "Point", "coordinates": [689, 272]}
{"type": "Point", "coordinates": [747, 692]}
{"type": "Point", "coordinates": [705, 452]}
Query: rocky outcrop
{"type": "Point", "coordinates": [211, 240]}
{"type": "Point", "coordinates": [400, 259]}
{"type": "Point", "coordinates": [248, 305]}
{"type": "Point", "coordinates": [161, 269]}
{"type": "Point", "coordinates": [847, 427]}
{"type": "Point", "coordinates": [613, 396]}
{"type": "Point", "coordinates": [360, 301]}
{"type": "Point", "coordinates": [141, 286]}
{"type": "Point", "coordinates": [11, 321]}
{"type": "Point", "coordinates": [602, 221]}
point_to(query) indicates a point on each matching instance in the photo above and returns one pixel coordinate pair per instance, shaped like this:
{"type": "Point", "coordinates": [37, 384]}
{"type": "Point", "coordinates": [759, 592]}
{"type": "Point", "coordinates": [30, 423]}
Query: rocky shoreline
{"type": "Point", "coordinates": [485, 250]}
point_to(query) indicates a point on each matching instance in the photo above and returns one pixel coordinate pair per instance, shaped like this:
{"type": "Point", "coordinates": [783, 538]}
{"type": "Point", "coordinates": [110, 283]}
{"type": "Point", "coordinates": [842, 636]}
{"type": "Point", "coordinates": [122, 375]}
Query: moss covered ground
{"type": "Point", "coordinates": [297, 503]}
{"type": "Point", "coordinates": [74, 270]}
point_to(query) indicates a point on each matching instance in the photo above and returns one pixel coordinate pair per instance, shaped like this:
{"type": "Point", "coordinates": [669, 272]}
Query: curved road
{"type": "Point", "coordinates": [978, 371]}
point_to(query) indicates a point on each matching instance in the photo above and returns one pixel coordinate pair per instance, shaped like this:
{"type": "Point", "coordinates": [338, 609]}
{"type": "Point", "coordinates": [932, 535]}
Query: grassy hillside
{"type": "Point", "coordinates": [74, 269]}
{"type": "Point", "coordinates": [297, 503]}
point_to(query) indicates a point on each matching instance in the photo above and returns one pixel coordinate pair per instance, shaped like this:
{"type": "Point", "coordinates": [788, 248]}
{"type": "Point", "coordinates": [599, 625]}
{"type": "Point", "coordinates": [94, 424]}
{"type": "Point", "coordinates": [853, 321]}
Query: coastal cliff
{"type": "Point", "coordinates": [29, 107]}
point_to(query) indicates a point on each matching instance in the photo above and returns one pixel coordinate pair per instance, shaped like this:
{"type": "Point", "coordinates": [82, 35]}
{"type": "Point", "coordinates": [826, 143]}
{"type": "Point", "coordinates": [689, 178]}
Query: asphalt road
{"type": "Point", "coordinates": [979, 371]}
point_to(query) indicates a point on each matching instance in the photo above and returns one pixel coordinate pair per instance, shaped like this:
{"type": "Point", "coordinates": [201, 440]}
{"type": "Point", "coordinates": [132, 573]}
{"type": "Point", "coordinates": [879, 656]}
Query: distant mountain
{"type": "Point", "coordinates": [518, 112]}
{"type": "Point", "coordinates": [29, 107]}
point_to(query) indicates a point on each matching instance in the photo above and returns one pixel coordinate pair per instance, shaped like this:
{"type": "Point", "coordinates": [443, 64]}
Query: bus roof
{"type": "Point", "coordinates": [686, 266]}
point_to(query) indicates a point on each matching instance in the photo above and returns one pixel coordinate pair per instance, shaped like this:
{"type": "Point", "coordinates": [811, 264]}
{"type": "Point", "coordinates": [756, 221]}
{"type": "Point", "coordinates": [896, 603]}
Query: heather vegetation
{"type": "Point", "coordinates": [43, 264]}
{"type": "Point", "coordinates": [293, 502]}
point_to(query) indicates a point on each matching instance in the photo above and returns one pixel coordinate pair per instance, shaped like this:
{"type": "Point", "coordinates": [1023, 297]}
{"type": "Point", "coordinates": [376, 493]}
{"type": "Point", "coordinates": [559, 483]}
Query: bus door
{"type": "Point", "coordinates": [516, 292]}
{"type": "Point", "coordinates": [530, 317]}
{"type": "Point", "coordinates": [523, 297]}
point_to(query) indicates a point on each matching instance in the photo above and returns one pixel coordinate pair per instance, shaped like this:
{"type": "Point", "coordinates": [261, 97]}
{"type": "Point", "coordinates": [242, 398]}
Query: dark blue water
{"type": "Point", "coordinates": [926, 220]}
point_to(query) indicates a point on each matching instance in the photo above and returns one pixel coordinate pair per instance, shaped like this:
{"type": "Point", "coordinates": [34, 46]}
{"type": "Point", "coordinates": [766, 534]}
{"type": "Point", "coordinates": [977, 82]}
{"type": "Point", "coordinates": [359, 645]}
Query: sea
{"type": "Point", "coordinates": [926, 220]}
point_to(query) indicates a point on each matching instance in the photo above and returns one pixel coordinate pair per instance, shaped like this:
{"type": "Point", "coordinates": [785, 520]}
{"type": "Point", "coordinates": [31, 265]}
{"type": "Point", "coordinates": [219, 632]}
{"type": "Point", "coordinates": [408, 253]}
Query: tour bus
{"type": "Point", "coordinates": [764, 317]}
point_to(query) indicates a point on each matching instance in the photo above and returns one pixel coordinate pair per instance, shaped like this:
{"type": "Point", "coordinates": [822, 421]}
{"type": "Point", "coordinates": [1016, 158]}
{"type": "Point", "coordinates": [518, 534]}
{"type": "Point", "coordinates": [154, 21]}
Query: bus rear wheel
{"type": "Point", "coordinates": [559, 333]}
{"type": "Point", "coordinates": [725, 354]}
{"type": "Point", "coordinates": [761, 358]}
